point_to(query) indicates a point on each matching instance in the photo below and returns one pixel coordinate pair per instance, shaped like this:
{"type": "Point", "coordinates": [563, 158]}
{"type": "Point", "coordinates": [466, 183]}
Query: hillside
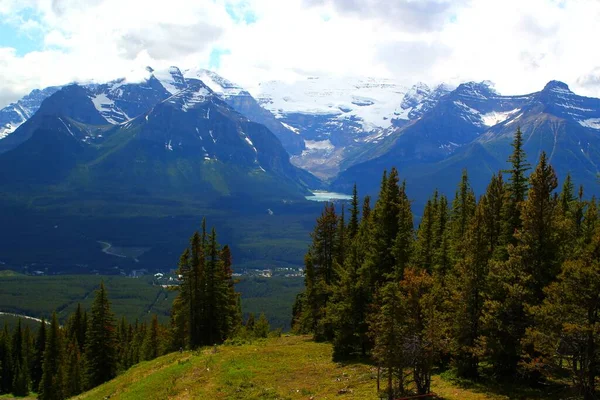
{"type": "Point", "coordinates": [291, 367]}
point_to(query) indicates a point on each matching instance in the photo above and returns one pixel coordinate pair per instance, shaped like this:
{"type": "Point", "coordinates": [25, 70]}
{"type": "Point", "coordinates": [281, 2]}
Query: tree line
{"type": "Point", "coordinates": [507, 284]}
{"type": "Point", "coordinates": [92, 347]}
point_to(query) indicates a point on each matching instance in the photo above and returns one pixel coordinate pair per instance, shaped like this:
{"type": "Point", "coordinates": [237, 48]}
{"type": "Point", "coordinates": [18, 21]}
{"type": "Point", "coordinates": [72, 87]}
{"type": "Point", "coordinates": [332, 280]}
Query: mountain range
{"type": "Point", "coordinates": [193, 143]}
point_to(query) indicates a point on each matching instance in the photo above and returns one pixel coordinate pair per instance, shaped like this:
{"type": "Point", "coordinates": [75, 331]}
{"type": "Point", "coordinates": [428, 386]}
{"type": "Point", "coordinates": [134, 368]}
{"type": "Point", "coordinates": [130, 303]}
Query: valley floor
{"type": "Point", "coordinates": [289, 367]}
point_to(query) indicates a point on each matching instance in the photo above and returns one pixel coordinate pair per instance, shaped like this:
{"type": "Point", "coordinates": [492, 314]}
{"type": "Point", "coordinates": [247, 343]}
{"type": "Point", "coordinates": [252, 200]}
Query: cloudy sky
{"type": "Point", "coordinates": [518, 44]}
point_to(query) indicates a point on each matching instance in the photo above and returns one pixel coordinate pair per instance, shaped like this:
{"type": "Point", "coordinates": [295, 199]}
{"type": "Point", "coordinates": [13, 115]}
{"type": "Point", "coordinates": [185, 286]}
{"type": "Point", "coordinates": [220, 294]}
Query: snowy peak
{"type": "Point", "coordinates": [217, 83]}
{"type": "Point", "coordinates": [557, 87]}
{"type": "Point", "coordinates": [477, 90]}
{"type": "Point", "coordinates": [15, 114]}
{"type": "Point", "coordinates": [557, 99]}
{"type": "Point", "coordinates": [193, 96]}
{"type": "Point", "coordinates": [171, 79]}
{"type": "Point", "coordinates": [420, 99]}
{"type": "Point", "coordinates": [370, 102]}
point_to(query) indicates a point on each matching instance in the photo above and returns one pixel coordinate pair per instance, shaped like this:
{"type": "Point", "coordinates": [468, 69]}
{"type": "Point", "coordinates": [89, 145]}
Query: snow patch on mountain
{"type": "Point", "coordinates": [319, 144]}
{"type": "Point", "coordinates": [7, 130]}
{"type": "Point", "coordinates": [190, 98]}
{"type": "Point", "coordinates": [494, 117]}
{"type": "Point", "coordinates": [370, 101]}
{"type": "Point", "coordinates": [593, 123]}
{"type": "Point", "coordinates": [215, 82]}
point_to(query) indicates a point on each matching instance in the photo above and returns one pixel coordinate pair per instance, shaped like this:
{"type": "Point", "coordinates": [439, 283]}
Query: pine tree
{"type": "Point", "coordinates": [516, 189]}
{"type": "Point", "coordinates": [6, 361]}
{"type": "Point", "coordinates": [566, 331]}
{"type": "Point", "coordinates": [262, 327]}
{"type": "Point", "coordinates": [77, 326]}
{"type": "Point", "coordinates": [467, 287]}
{"type": "Point", "coordinates": [250, 322]}
{"type": "Point", "coordinates": [38, 356]}
{"type": "Point", "coordinates": [151, 346]}
{"type": "Point", "coordinates": [52, 382]}
{"type": "Point", "coordinates": [441, 237]}
{"type": "Point", "coordinates": [425, 245]}
{"type": "Point", "coordinates": [403, 243]}
{"type": "Point", "coordinates": [387, 332]}
{"type": "Point", "coordinates": [463, 208]}
{"type": "Point", "coordinates": [348, 306]}
{"type": "Point", "coordinates": [320, 274]}
{"type": "Point", "coordinates": [539, 239]}
{"type": "Point", "coordinates": [353, 224]}
{"type": "Point", "coordinates": [73, 370]}
{"type": "Point", "coordinates": [20, 384]}
{"type": "Point", "coordinates": [207, 308]}
{"type": "Point", "coordinates": [101, 345]}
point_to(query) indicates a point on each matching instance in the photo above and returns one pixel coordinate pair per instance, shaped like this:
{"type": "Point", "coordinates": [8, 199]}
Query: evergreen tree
{"type": "Point", "coordinates": [250, 322]}
{"type": "Point", "coordinates": [207, 308]}
{"type": "Point", "coordinates": [516, 189]}
{"type": "Point", "coordinates": [467, 286]}
{"type": "Point", "coordinates": [38, 356]}
{"type": "Point", "coordinates": [262, 327]}
{"type": "Point", "coordinates": [52, 382]}
{"type": "Point", "coordinates": [463, 208]}
{"type": "Point", "coordinates": [539, 240]}
{"type": "Point", "coordinates": [101, 345]}
{"type": "Point", "coordinates": [320, 274]}
{"type": "Point", "coordinates": [566, 331]}
{"type": "Point", "coordinates": [388, 332]}
{"type": "Point", "coordinates": [151, 346]}
{"type": "Point", "coordinates": [425, 245]}
{"type": "Point", "coordinates": [403, 243]}
{"type": "Point", "coordinates": [73, 370]}
{"type": "Point", "coordinates": [353, 224]}
{"type": "Point", "coordinates": [6, 361]}
{"type": "Point", "coordinates": [20, 384]}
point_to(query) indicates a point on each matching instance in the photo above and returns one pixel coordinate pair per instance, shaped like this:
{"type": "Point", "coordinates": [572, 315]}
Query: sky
{"type": "Point", "coordinates": [519, 45]}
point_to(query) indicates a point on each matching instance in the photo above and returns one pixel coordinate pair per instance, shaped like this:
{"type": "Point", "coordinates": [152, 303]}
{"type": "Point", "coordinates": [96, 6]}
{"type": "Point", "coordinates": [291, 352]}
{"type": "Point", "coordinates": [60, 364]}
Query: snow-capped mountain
{"type": "Point", "coordinates": [338, 116]}
{"type": "Point", "coordinates": [243, 102]}
{"type": "Point", "coordinates": [472, 127]}
{"type": "Point", "coordinates": [190, 144]}
{"type": "Point", "coordinates": [13, 115]}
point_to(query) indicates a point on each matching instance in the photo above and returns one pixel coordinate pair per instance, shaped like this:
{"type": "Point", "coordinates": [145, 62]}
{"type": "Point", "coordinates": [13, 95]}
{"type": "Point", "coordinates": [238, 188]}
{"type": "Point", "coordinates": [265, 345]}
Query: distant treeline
{"type": "Point", "coordinates": [507, 285]}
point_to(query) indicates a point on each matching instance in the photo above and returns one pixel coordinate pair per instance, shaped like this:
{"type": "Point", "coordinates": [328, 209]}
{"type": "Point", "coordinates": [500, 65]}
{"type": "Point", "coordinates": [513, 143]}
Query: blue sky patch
{"type": "Point", "coordinates": [22, 41]}
{"type": "Point", "coordinates": [241, 13]}
{"type": "Point", "coordinates": [214, 61]}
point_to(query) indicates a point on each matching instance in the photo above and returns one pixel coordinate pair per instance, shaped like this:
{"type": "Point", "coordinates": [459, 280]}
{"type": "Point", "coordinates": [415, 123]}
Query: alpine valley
{"type": "Point", "coordinates": [137, 164]}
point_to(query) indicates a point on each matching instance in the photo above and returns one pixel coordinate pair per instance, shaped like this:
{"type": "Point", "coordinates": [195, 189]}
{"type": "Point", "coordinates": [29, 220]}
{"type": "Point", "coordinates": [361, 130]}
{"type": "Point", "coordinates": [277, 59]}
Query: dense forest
{"type": "Point", "coordinates": [506, 286]}
{"type": "Point", "coordinates": [92, 347]}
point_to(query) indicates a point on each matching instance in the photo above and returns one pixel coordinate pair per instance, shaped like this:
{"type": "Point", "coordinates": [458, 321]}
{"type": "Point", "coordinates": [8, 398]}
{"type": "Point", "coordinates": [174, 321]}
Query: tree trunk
{"type": "Point", "coordinates": [390, 386]}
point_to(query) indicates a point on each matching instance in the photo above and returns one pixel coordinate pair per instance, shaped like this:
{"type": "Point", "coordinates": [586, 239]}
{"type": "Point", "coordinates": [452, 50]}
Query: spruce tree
{"type": "Point", "coordinates": [52, 382]}
{"type": "Point", "coordinates": [353, 224]}
{"type": "Point", "coordinates": [6, 361]}
{"type": "Point", "coordinates": [463, 208]}
{"type": "Point", "coordinates": [516, 190]}
{"type": "Point", "coordinates": [539, 240]}
{"type": "Point", "coordinates": [262, 327]}
{"type": "Point", "coordinates": [101, 345]}
{"type": "Point", "coordinates": [467, 284]}
{"type": "Point", "coordinates": [38, 356]}
{"type": "Point", "coordinates": [566, 331]}
{"type": "Point", "coordinates": [151, 346]}
{"type": "Point", "coordinates": [74, 379]}
{"type": "Point", "coordinates": [425, 245]}
{"type": "Point", "coordinates": [20, 385]}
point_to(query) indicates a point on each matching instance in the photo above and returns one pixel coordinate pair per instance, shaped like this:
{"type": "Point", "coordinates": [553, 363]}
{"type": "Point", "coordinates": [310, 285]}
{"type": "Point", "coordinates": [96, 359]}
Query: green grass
{"type": "Point", "coordinates": [289, 367]}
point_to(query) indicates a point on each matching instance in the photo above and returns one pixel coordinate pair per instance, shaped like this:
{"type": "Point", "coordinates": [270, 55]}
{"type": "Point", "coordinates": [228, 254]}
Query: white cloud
{"type": "Point", "coordinates": [519, 45]}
